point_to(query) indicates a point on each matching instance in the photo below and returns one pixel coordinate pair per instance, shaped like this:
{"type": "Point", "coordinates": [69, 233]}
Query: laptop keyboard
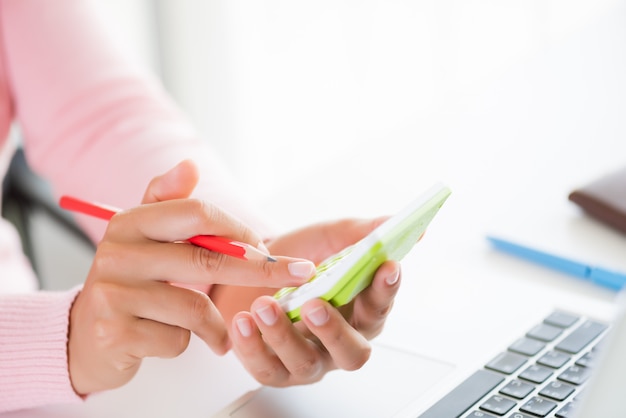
{"type": "Point", "coordinates": [540, 375]}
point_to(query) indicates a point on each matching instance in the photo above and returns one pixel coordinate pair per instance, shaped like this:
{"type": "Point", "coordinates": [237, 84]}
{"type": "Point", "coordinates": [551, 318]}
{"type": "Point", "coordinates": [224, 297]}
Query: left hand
{"type": "Point", "coordinates": [279, 353]}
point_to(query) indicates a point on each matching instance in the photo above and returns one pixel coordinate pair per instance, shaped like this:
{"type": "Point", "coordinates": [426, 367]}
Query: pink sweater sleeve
{"type": "Point", "coordinates": [96, 127]}
{"type": "Point", "coordinates": [33, 350]}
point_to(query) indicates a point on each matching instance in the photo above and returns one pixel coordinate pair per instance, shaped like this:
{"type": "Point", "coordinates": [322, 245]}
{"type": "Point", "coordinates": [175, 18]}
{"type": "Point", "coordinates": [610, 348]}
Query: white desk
{"type": "Point", "coordinates": [511, 153]}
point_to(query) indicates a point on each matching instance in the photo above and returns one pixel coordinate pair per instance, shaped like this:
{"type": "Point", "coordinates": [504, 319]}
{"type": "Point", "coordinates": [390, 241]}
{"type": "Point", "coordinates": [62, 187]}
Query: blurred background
{"type": "Point", "coordinates": [278, 85]}
{"type": "Point", "coordinates": [347, 99]}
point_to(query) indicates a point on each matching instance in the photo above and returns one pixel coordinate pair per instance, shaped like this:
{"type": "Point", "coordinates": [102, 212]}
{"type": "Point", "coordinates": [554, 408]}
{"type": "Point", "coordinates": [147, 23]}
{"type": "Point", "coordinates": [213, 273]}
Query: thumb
{"type": "Point", "coordinates": [177, 183]}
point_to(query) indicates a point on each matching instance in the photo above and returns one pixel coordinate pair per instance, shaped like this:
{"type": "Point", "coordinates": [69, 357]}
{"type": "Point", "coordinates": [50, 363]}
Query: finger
{"type": "Point", "coordinates": [121, 345]}
{"type": "Point", "coordinates": [166, 304]}
{"type": "Point", "coordinates": [347, 347]}
{"type": "Point", "coordinates": [255, 355]}
{"type": "Point", "coordinates": [186, 263]}
{"type": "Point", "coordinates": [187, 309]}
{"type": "Point", "coordinates": [300, 356]}
{"type": "Point", "coordinates": [372, 306]}
{"type": "Point", "coordinates": [155, 339]}
{"type": "Point", "coordinates": [177, 183]}
{"type": "Point", "coordinates": [177, 220]}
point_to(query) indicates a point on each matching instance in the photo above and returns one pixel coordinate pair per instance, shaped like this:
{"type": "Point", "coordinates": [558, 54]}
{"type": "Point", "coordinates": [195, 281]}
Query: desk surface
{"type": "Point", "coordinates": [511, 152]}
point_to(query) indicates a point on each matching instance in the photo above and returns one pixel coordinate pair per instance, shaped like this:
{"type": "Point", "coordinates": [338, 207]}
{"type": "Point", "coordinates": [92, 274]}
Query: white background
{"type": "Point", "coordinates": [351, 108]}
{"type": "Point", "coordinates": [279, 86]}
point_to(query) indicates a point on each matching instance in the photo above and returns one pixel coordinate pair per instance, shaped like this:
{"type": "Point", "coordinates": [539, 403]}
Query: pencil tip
{"type": "Point", "coordinates": [271, 259]}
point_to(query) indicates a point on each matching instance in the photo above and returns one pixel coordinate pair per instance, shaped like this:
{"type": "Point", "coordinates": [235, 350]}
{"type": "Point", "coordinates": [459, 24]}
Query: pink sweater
{"type": "Point", "coordinates": [96, 126]}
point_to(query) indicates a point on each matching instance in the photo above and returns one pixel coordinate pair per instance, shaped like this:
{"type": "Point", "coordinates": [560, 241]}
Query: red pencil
{"type": "Point", "coordinates": [210, 242]}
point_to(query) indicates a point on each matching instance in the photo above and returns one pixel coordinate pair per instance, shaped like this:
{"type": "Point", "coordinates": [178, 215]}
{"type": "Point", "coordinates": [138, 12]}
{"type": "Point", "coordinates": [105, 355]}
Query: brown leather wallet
{"type": "Point", "coordinates": [604, 199]}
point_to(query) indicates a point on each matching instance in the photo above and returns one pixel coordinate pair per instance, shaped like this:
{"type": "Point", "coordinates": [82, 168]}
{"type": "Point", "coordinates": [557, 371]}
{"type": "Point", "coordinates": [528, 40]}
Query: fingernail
{"type": "Point", "coordinates": [391, 280]}
{"type": "Point", "coordinates": [244, 326]}
{"type": "Point", "coordinates": [267, 314]}
{"type": "Point", "coordinates": [319, 316]}
{"type": "Point", "coordinates": [302, 269]}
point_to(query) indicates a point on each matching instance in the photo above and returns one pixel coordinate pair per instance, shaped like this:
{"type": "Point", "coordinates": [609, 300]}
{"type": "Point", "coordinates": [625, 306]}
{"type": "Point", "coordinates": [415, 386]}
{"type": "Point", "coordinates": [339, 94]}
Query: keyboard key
{"type": "Point", "coordinates": [538, 406]}
{"type": "Point", "coordinates": [506, 362]}
{"type": "Point", "coordinates": [536, 373]}
{"type": "Point", "coordinates": [557, 390]}
{"type": "Point", "coordinates": [466, 394]}
{"type": "Point", "coordinates": [521, 397]}
{"type": "Point", "coordinates": [527, 346]}
{"type": "Point", "coordinates": [554, 359]}
{"type": "Point", "coordinates": [498, 405]}
{"type": "Point", "coordinates": [480, 414]}
{"type": "Point", "coordinates": [566, 412]}
{"type": "Point", "coordinates": [581, 337]}
{"type": "Point", "coordinates": [575, 375]}
{"type": "Point", "coordinates": [517, 389]}
{"type": "Point", "coordinates": [544, 332]}
{"type": "Point", "coordinates": [588, 360]}
{"type": "Point", "coordinates": [561, 319]}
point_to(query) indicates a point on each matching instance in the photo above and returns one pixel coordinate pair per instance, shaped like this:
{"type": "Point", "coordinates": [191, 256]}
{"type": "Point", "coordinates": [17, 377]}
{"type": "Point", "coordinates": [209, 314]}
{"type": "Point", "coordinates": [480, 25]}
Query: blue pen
{"type": "Point", "coordinates": [600, 276]}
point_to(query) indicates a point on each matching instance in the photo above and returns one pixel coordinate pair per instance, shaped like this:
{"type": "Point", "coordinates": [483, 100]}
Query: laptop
{"type": "Point", "coordinates": [484, 334]}
{"type": "Point", "coordinates": [566, 365]}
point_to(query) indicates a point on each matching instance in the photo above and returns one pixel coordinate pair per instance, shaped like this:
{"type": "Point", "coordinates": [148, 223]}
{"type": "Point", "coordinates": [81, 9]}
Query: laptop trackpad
{"type": "Point", "coordinates": [389, 381]}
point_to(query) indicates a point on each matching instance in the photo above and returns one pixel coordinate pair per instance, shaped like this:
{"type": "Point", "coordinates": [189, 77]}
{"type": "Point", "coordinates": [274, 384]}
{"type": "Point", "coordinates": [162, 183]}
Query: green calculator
{"type": "Point", "coordinates": [342, 276]}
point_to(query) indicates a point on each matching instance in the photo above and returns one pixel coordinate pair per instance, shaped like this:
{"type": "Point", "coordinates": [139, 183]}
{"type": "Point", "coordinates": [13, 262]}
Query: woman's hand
{"type": "Point", "coordinates": [128, 310]}
{"type": "Point", "coordinates": [279, 353]}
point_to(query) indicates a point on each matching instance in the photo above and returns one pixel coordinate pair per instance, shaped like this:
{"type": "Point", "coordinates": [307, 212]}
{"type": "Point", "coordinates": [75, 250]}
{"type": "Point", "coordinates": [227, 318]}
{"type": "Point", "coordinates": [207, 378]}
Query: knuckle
{"type": "Point", "coordinates": [383, 312]}
{"type": "Point", "coordinates": [198, 207]}
{"type": "Point", "coordinates": [276, 338]}
{"type": "Point", "coordinates": [209, 215]}
{"type": "Point", "coordinates": [200, 309]}
{"type": "Point", "coordinates": [127, 365]}
{"type": "Point", "coordinates": [206, 212]}
{"type": "Point", "coordinates": [359, 359]}
{"type": "Point", "coordinates": [106, 333]}
{"type": "Point", "coordinates": [206, 260]}
{"type": "Point", "coordinates": [267, 270]}
{"type": "Point", "coordinates": [105, 257]}
{"type": "Point", "coordinates": [111, 258]}
{"type": "Point", "coordinates": [104, 297]}
{"type": "Point", "coordinates": [107, 329]}
{"type": "Point", "coordinates": [116, 224]}
{"type": "Point", "coordinates": [270, 375]}
{"type": "Point", "coordinates": [308, 369]}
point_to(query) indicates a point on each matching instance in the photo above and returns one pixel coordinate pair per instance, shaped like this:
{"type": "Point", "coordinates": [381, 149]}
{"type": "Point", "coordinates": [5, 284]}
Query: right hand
{"type": "Point", "coordinates": [128, 309]}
